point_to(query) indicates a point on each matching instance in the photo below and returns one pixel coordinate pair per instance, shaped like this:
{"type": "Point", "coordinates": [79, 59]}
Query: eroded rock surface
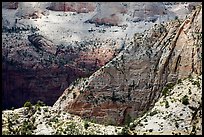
{"type": "Point", "coordinates": [131, 83]}
{"type": "Point", "coordinates": [35, 68]}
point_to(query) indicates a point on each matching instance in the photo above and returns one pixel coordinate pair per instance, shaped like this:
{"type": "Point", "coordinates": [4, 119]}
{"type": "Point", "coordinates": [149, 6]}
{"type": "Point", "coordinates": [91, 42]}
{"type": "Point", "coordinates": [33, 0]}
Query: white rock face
{"type": "Point", "coordinates": [28, 8]}
{"type": "Point", "coordinates": [171, 116]}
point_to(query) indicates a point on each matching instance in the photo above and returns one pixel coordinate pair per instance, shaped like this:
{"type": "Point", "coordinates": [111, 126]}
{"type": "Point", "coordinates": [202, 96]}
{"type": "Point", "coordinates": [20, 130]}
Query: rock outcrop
{"type": "Point", "coordinates": [42, 43]}
{"type": "Point", "coordinates": [132, 82]}
{"type": "Point", "coordinates": [147, 11]}
{"type": "Point", "coordinates": [79, 7]}
{"type": "Point", "coordinates": [108, 13]}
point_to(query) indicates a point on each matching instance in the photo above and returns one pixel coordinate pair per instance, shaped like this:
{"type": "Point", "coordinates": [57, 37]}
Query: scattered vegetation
{"type": "Point", "coordinates": [179, 81]}
{"type": "Point", "coordinates": [185, 100]}
{"type": "Point", "coordinates": [40, 103]}
{"type": "Point", "coordinates": [167, 89]}
{"type": "Point", "coordinates": [196, 83]}
{"type": "Point", "coordinates": [125, 131]}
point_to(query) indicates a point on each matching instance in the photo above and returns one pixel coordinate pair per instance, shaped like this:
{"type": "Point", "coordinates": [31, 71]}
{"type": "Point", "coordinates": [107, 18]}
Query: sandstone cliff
{"type": "Point", "coordinates": [35, 68]}
{"type": "Point", "coordinates": [132, 82]}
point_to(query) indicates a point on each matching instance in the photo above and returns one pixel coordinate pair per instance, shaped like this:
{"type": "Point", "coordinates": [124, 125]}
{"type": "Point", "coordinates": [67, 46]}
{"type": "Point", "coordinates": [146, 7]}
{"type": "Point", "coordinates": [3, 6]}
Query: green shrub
{"type": "Point", "coordinates": [166, 104]}
{"type": "Point", "coordinates": [54, 120]}
{"type": "Point", "coordinates": [167, 89]}
{"type": "Point", "coordinates": [153, 113]}
{"type": "Point", "coordinates": [193, 132]}
{"type": "Point", "coordinates": [125, 131]}
{"type": "Point", "coordinates": [128, 119]}
{"type": "Point", "coordinates": [46, 109]}
{"type": "Point", "coordinates": [64, 98]}
{"type": "Point", "coordinates": [189, 91]}
{"type": "Point", "coordinates": [185, 100]}
{"type": "Point", "coordinates": [86, 125]}
{"type": "Point", "coordinates": [27, 104]}
{"type": "Point", "coordinates": [177, 125]}
{"type": "Point", "coordinates": [40, 103]}
{"type": "Point", "coordinates": [196, 83]}
{"type": "Point", "coordinates": [74, 95]}
{"type": "Point", "coordinates": [179, 81]}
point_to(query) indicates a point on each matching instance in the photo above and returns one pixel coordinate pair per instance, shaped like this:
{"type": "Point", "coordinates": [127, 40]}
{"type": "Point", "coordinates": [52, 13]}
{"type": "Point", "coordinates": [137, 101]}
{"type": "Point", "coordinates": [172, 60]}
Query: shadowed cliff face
{"type": "Point", "coordinates": [34, 68]}
{"type": "Point", "coordinates": [10, 5]}
{"type": "Point", "coordinates": [132, 82]}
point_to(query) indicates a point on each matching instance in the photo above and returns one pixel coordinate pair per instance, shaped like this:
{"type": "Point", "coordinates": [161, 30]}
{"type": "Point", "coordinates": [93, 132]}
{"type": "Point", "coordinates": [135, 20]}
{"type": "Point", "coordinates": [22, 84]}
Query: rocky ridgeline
{"type": "Point", "coordinates": [42, 43]}
{"type": "Point", "coordinates": [132, 82]}
{"type": "Point", "coordinates": [35, 68]}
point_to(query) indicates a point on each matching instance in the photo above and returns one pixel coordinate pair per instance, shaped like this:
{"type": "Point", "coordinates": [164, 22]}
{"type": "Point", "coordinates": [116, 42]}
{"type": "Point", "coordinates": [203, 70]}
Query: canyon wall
{"type": "Point", "coordinates": [131, 83]}
{"type": "Point", "coordinates": [34, 68]}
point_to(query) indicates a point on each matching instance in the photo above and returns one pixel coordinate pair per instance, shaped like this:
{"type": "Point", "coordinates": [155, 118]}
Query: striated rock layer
{"type": "Point", "coordinates": [132, 82]}
{"type": "Point", "coordinates": [34, 68]}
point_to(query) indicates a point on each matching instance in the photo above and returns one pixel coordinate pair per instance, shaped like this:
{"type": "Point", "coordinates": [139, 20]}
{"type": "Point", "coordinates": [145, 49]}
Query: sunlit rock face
{"type": "Point", "coordinates": [108, 13]}
{"type": "Point", "coordinates": [132, 82]}
{"type": "Point", "coordinates": [31, 10]}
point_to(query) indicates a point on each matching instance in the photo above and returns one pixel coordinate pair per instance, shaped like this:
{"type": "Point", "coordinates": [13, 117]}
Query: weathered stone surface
{"type": "Point", "coordinates": [108, 13]}
{"type": "Point", "coordinates": [10, 5]}
{"type": "Point", "coordinates": [80, 7]}
{"type": "Point", "coordinates": [34, 68]}
{"type": "Point", "coordinates": [42, 43]}
{"type": "Point", "coordinates": [132, 82]}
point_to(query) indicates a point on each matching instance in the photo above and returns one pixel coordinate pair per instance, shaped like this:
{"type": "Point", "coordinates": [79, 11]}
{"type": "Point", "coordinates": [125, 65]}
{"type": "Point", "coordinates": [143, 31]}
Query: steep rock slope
{"type": "Point", "coordinates": [131, 83]}
{"type": "Point", "coordinates": [35, 68]}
